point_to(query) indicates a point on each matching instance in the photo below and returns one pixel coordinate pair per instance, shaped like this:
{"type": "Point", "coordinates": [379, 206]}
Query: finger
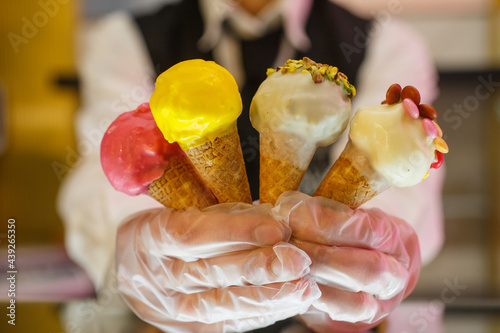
{"type": "Point", "coordinates": [197, 234]}
{"type": "Point", "coordinates": [355, 269]}
{"type": "Point", "coordinates": [249, 324]}
{"type": "Point", "coordinates": [360, 307]}
{"type": "Point", "coordinates": [279, 263]}
{"type": "Point", "coordinates": [320, 321]}
{"type": "Point", "coordinates": [216, 305]}
{"type": "Point", "coordinates": [240, 325]}
{"type": "Point", "coordinates": [324, 221]}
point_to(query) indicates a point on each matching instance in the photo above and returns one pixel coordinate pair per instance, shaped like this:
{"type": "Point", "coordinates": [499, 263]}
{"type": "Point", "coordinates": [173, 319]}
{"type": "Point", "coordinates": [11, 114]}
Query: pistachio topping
{"type": "Point", "coordinates": [319, 73]}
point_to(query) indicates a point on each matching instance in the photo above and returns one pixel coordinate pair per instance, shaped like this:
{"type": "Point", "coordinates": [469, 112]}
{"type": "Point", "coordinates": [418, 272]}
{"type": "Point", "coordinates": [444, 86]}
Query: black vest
{"type": "Point", "coordinates": [337, 38]}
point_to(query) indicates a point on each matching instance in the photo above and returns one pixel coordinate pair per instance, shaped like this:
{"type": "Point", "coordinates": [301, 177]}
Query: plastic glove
{"type": "Point", "coordinates": [225, 268]}
{"type": "Point", "coordinates": [365, 262]}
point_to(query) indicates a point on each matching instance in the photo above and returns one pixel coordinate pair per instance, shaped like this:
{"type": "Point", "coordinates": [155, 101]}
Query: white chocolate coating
{"type": "Point", "coordinates": [294, 104]}
{"type": "Point", "coordinates": [397, 145]}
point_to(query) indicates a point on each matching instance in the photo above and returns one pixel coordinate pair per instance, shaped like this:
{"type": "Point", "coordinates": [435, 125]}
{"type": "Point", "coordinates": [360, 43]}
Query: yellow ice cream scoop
{"type": "Point", "coordinates": [194, 102]}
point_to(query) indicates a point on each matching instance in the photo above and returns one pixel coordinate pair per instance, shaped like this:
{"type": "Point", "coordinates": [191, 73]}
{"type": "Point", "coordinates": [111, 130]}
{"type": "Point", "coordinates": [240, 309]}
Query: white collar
{"type": "Point", "coordinates": [294, 14]}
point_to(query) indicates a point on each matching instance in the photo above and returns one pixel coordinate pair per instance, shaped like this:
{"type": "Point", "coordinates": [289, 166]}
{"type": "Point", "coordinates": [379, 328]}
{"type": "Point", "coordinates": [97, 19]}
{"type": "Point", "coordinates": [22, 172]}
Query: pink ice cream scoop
{"type": "Point", "coordinates": [137, 159]}
{"type": "Point", "coordinates": [134, 152]}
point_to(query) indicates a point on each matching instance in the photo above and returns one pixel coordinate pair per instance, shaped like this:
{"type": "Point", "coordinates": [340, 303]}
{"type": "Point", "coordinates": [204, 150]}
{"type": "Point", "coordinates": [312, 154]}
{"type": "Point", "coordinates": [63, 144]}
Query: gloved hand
{"type": "Point", "coordinates": [365, 262]}
{"type": "Point", "coordinates": [224, 268]}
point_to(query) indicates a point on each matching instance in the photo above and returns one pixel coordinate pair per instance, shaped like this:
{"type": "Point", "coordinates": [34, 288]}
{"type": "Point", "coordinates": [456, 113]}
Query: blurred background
{"type": "Point", "coordinates": [39, 97]}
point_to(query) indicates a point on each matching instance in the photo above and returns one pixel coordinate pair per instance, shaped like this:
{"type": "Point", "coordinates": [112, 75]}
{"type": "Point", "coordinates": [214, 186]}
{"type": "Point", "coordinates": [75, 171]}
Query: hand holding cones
{"type": "Point", "coordinates": [299, 107]}
{"type": "Point", "coordinates": [137, 159]}
{"type": "Point", "coordinates": [196, 103]}
{"type": "Point", "coordinates": [393, 144]}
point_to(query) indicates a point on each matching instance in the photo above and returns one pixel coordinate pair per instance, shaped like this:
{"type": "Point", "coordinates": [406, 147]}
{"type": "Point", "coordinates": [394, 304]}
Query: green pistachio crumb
{"type": "Point", "coordinates": [319, 73]}
{"type": "Point", "coordinates": [270, 71]}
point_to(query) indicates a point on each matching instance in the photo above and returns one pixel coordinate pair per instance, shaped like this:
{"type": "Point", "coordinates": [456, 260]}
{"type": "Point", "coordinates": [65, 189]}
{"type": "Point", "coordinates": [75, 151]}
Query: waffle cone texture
{"type": "Point", "coordinates": [181, 187]}
{"type": "Point", "coordinates": [221, 165]}
{"type": "Point", "coordinates": [352, 180]}
{"type": "Point", "coordinates": [283, 162]}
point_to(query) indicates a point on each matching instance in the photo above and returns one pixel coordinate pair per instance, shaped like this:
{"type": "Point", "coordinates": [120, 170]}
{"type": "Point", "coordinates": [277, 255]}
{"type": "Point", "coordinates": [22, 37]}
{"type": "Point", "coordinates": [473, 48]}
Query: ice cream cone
{"type": "Point", "coordinates": [137, 159]}
{"type": "Point", "coordinates": [220, 163]}
{"type": "Point", "coordinates": [196, 103]}
{"type": "Point", "coordinates": [393, 144]}
{"type": "Point", "coordinates": [297, 108]}
{"type": "Point", "coordinates": [181, 187]}
{"type": "Point", "coordinates": [284, 159]}
{"type": "Point", "coordinates": [352, 180]}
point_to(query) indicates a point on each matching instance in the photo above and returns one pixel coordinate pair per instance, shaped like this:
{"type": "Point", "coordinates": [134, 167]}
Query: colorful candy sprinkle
{"type": "Point", "coordinates": [429, 128]}
{"type": "Point", "coordinates": [440, 131]}
{"type": "Point", "coordinates": [427, 111]}
{"type": "Point", "coordinates": [439, 160]}
{"type": "Point", "coordinates": [393, 94]}
{"type": "Point", "coordinates": [441, 145]}
{"type": "Point", "coordinates": [412, 93]}
{"type": "Point", "coordinates": [411, 108]}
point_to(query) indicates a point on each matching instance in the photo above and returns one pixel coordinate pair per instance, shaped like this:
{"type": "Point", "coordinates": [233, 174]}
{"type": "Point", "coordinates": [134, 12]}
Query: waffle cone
{"type": "Point", "coordinates": [181, 187]}
{"type": "Point", "coordinates": [352, 180]}
{"type": "Point", "coordinates": [284, 159]}
{"type": "Point", "coordinates": [221, 165]}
